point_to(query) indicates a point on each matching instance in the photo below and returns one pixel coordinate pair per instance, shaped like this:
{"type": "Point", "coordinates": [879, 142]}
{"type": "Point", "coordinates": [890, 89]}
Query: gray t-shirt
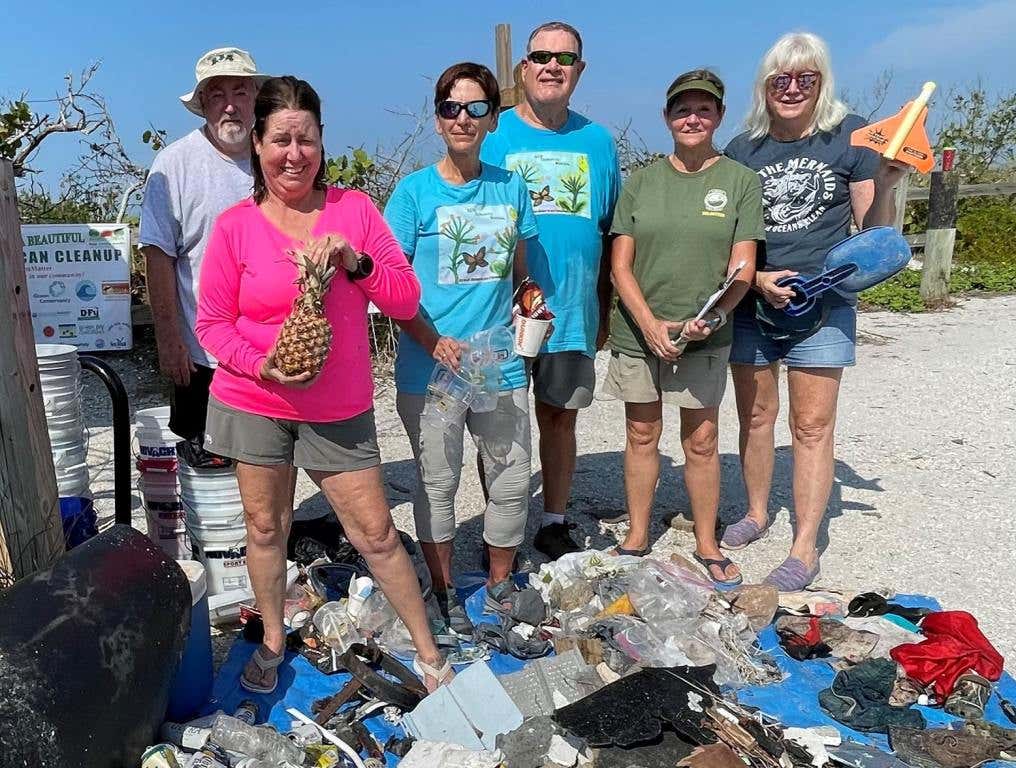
{"type": "Point", "coordinates": [189, 185]}
{"type": "Point", "coordinates": [805, 191]}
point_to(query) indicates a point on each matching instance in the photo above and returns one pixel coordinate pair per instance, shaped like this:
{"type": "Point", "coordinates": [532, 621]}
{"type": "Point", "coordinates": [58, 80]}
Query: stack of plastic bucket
{"type": "Point", "coordinates": [160, 487]}
{"type": "Point", "coordinates": [211, 501]}
{"type": "Point", "coordinates": [60, 377]}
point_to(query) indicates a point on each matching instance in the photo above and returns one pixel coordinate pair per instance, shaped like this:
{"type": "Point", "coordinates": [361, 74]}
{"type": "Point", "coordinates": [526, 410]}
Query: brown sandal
{"type": "Point", "coordinates": [264, 664]}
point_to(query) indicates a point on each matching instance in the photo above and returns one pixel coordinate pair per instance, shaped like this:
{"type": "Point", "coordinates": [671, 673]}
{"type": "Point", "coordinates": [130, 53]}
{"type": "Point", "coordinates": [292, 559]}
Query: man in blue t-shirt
{"type": "Point", "coordinates": [570, 167]}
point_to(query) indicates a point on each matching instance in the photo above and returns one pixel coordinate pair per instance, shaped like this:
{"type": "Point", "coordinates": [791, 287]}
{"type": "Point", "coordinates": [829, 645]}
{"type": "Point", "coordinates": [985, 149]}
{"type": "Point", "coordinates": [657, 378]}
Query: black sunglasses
{"type": "Point", "coordinates": [564, 58]}
{"type": "Point", "coordinates": [450, 110]}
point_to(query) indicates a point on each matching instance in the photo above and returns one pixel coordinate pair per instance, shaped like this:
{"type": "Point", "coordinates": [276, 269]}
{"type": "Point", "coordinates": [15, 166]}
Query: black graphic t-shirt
{"type": "Point", "coordinates": [805, 191]}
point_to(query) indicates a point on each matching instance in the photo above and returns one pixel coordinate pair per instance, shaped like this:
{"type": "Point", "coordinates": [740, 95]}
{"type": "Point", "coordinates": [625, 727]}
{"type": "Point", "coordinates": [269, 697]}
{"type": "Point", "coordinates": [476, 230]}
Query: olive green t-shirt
{"type": "Point", "coordinates": [684, 225]}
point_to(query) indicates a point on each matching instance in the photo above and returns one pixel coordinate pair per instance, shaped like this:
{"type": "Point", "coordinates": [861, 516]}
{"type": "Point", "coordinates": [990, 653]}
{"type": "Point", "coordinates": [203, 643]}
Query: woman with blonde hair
{"type": "Point", "coordinates": [814, 183]}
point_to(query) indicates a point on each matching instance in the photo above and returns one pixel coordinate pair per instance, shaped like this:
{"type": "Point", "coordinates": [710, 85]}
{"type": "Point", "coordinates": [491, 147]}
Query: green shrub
{"type": "Point", "coordinates": [902, 292]}
{"type": "Point", "coordinates": [986, 231]}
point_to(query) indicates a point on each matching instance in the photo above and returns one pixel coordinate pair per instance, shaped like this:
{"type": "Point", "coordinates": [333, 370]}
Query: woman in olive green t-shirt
{"type": "Point", "coordinates": [682, 225]}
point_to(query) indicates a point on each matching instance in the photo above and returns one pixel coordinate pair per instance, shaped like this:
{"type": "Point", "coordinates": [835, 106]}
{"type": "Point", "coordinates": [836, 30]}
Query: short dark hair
{"type": "Point", "coordinates": [468, 70]}
{"type": "Point", "coordinates": [277, 94]}
{"type": "Point", "coordinates": [699, 74]}
{"type": "Point", "coordinates": [556, 26]}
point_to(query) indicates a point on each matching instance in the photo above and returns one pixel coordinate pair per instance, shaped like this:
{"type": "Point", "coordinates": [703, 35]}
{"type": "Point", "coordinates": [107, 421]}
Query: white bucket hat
{"type": "Point", "coordinates": [221, 62]}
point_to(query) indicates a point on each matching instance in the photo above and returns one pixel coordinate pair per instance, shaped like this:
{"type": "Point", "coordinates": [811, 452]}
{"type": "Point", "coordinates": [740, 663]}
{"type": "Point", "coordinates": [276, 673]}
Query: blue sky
{"type": "Point", "coordinates": [372, 58]}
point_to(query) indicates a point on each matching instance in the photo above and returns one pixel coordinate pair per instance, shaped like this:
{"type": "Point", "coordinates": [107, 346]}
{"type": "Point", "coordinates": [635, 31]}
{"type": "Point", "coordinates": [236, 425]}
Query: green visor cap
{"type": "Point", "coordinates": [693, 85]}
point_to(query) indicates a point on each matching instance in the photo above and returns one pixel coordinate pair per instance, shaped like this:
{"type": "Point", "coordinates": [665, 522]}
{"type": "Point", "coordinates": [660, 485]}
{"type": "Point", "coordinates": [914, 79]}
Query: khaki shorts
{"type": "Point", "coordinates": [335, 446]}
{"type": "Point", "coordinates": [696, 381]}
{"type": "Point", "coordinates": [563, 379]}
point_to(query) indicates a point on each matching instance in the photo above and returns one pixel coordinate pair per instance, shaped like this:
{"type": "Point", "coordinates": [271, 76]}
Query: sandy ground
{"type": "Point", "coordinates": [925, 465]}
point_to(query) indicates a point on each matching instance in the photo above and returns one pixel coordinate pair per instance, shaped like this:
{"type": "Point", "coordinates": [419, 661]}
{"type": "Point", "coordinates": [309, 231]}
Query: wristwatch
{"type": "Point", "coordinates": [719, 321]}
{"type": "Point", "coordinates": [364, 267]}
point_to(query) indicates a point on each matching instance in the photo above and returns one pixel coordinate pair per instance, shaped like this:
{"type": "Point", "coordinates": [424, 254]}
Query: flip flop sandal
{"type": "Point", "coordinates": [633, 552]}
{"type": "Point", "coordinates": [742, 533]}
{"type": "Point", "coordinates": [442, 674]}
{"type": "Point", "coordinates": [264, 665]}
{"type": "Point", "coordinates": [722, 563]}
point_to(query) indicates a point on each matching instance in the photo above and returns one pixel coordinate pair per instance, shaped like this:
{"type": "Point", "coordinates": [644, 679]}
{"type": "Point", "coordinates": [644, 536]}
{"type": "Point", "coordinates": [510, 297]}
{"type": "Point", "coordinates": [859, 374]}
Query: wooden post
{"type": "Point", "coordinates": [507, 76]}
{"type": "Point", "coordinates": [901, 202]}
{"type": "Point", "coordinates": [31, 533]}
{"type": "Point", "coordinates": [941, 234]}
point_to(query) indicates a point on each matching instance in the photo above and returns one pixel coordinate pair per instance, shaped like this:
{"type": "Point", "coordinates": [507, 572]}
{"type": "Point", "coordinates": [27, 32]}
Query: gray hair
{"type": "Point", "coordinates": [794, 52]}
{"type": "Point", "coordinates": [555, 26]}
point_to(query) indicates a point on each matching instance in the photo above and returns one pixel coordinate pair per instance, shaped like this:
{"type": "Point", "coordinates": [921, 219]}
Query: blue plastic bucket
{"type": "Point", "coordinates": [193, 682]}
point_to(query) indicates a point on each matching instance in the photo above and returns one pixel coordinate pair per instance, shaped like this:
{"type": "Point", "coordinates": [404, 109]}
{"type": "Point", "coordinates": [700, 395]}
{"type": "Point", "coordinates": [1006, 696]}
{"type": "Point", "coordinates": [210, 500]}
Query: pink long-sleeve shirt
{"type": "Point", "coordinates": [247, 291]}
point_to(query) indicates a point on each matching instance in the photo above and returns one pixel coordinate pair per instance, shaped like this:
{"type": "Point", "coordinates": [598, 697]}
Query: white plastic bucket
{"type": "Point", "coordinates": [211, 497]}
{"type": "Point", "coordinates": [225, 567]}
{"type": "Point", "coordinates": [155, 440]}
{"type": "Point", "coordinates": [227, 536]}
{"type": "Point", "coordinates": [56, 356]}
{"type": "Point", "coordinates": [72, 480]}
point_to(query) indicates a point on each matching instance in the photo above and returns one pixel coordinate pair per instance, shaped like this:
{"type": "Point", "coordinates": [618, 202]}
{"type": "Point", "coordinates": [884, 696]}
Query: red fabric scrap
{"type": "Point", "coordinates": [953, 646]}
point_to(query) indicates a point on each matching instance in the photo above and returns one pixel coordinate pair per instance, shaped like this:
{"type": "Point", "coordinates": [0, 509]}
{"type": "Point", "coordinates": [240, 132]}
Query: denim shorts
{"type": "Point", "coordinates": [831, 346]}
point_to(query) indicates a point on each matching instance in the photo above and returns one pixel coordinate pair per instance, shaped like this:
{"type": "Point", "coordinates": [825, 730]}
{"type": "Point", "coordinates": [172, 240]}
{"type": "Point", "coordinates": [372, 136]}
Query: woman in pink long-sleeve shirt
{"type": "Point", "coordinates": [271, 423]}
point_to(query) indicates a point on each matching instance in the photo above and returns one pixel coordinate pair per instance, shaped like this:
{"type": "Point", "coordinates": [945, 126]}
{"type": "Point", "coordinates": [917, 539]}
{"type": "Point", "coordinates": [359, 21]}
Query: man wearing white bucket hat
{"type": "Point", "coordinates": [191, 182]}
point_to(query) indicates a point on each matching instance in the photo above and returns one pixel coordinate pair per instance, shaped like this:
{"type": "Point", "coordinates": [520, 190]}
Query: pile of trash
{"type": "Point", "coordinates": [614, 661]}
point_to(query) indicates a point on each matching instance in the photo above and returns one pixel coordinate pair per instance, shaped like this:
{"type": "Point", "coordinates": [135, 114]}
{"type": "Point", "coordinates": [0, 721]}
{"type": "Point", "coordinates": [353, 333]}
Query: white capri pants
{"type": "Point", "coordinates": [502, 437]}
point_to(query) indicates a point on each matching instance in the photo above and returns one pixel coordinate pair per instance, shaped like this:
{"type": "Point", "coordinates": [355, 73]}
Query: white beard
{"type": "Point", "coordinates": [232, 135]}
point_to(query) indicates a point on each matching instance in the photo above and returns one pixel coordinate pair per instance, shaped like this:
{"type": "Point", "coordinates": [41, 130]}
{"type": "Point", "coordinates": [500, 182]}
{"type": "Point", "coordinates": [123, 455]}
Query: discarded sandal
{"type": "Point", "coordinates": [442, 675]}
{"type": "Point", "coordinates": [264, 664]}
{"type": "Point", "coordinates": [723, 564]}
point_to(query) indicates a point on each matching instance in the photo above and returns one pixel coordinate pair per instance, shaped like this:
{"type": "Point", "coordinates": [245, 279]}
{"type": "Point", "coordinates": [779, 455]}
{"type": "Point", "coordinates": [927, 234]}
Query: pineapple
{"type": "Point", "coordinates": [306, 336]}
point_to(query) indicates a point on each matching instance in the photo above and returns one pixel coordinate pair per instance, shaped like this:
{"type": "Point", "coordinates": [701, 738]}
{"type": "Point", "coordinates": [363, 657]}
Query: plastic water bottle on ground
{"type": "Point", "coordinates": [256, 741]}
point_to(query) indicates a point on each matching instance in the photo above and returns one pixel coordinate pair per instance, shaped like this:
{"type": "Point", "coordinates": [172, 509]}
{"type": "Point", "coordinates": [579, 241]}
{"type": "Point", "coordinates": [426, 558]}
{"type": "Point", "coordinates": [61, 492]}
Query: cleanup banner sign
{"type": "Point", "coordinates": [79, 284]}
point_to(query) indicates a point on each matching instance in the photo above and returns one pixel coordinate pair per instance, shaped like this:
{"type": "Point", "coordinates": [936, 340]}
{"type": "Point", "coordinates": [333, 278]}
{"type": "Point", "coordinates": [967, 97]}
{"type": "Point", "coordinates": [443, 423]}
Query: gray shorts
{"type": "Point", "coordinates": [334, 446]}
{"type": "Point", "coordinates": [563, 379]}
{"type": "Point", "coordinates": [696, 381]}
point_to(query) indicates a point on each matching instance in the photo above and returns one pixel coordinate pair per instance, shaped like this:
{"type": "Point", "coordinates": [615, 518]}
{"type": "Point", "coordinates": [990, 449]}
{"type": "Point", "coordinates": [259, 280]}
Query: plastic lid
{"type": "Point", "coordinates": [195, 573]}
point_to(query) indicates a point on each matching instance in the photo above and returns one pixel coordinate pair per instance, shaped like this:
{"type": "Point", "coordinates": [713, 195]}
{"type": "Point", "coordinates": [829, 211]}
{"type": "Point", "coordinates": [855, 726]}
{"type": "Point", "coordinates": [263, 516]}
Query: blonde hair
{"type": "Point", "coordinates": [795, 52]}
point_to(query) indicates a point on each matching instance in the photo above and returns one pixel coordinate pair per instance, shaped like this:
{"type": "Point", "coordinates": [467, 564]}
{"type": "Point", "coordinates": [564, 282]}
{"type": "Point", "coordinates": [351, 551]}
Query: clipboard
{"type": "Point", "coordinates": [711, 302]}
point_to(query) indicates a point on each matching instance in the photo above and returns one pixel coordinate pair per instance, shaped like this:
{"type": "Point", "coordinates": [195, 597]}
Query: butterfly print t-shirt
{"type": "Point", "coordinates": [573, 182]}
{"type": "Point", "coordinates": [461, 242]}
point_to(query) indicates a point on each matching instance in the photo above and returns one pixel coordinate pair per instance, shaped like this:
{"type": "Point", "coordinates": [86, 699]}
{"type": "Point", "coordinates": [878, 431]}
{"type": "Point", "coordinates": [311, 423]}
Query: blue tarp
{"type": "Point", "coordinates": [794, 701]}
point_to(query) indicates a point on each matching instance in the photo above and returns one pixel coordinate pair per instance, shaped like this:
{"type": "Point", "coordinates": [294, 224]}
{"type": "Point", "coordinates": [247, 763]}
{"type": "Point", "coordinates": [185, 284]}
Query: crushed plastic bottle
{"type": "Point", "coordinates": [255, 741]}
{"type": "Point", "coordinates": [476, 386]}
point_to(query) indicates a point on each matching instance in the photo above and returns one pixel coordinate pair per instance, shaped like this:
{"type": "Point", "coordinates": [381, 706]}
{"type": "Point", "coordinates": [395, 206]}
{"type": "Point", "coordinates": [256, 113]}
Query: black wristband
{"type": "Point", "coordinates": [364, 267]}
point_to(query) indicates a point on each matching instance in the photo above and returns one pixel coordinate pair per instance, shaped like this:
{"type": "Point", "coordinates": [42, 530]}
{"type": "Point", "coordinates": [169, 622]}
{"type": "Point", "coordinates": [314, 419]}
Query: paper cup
{"type": "Point", "coordinates": [529, 335]}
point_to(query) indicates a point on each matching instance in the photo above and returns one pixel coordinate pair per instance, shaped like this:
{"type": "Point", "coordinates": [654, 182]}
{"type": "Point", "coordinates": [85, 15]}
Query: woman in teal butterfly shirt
{"type": "Point", "coordinates": [464, 224]}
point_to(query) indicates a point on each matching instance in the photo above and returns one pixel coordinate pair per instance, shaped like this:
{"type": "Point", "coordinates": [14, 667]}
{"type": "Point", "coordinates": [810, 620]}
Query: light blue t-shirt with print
{"type": "Point", "coordinates": [461, 242]}
{"type": "Point", "coordinates": [573, 180]}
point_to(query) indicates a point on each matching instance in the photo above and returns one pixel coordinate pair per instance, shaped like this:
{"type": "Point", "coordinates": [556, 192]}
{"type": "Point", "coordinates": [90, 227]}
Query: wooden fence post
{"type": "Point", "coordinates": [507, 76]}
{"type": "Point", "coordinates": [941, 234]}
{"type": "Point", "coordinates": [900, 198]}
{"type": "Point", "coordinates": [31, 532]}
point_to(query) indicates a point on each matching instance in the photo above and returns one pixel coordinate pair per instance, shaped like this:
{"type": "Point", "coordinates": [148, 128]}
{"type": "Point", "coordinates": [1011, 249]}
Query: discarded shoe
{"type": "Point", "coordinates": [942, 748]}
{"type": "Point", "coordinates": [969, 697]}
{"type": "Point", "coordinates": [555, 539]}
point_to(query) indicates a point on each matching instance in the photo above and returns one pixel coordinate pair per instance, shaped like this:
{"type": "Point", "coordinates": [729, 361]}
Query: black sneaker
{"type": "Point", "coordinates": [554, 540]}
{"type": "Point", "coordinates": [453, 612]}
